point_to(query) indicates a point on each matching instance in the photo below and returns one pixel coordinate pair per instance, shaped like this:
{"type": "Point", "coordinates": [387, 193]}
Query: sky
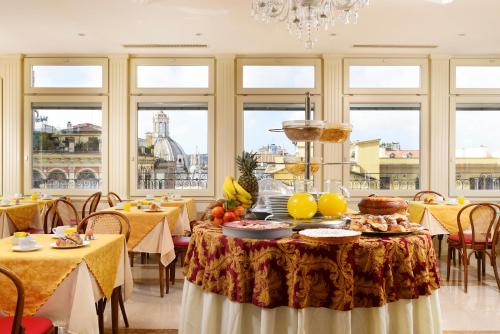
{"type": "Point", "coordinates": [60, 117]}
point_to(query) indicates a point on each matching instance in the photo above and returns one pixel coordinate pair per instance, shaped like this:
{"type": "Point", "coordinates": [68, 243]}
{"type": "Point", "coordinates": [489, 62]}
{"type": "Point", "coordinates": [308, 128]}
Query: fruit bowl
{"type": "Point", "coordinates": [336, 133]}
{"type": "Point", "coordinates": [303, 130]}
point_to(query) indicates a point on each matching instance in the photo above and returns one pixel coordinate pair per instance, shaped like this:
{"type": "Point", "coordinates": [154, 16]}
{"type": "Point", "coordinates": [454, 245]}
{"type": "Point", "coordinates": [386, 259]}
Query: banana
{"type": "Point", "coordinates": [243, 200]}
{"type": "Point", "coordinates": [241, 191]}
{"type": "Point", "coordinates": [228, 188]}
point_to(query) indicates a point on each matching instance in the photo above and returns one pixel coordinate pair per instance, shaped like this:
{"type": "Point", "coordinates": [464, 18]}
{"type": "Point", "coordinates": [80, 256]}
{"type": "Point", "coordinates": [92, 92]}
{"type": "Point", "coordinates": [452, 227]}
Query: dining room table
{"type": "Point", "coordinates": [64, 285]}
{"type": "Point", "coordinates": [291, 285]}
{"type": "Point", "coordinates": [19, 217]}
{"type": "Point", "coordinates": [151, 232]}
{"type": "Point", "coordinates": [188, 211]}
{"type": "Point", "coordinates": [438, 218]}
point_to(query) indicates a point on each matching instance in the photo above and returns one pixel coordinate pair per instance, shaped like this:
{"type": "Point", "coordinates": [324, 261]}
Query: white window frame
{"type": "Point", "coordinates": [135, 62]}
{"type": "Point", "coordinates": [28, 168]}
{"type": "Point", "coordinates": [1, 136]}
{"type": "Point", "coordinates": [29, 62]}
{"type": "Point", "coordinates": [424, 75]}
{"type": "Point", "coordinates": [471, 62]}
{"type": "Point", "coordinates": [209, 100]}
{"type": "Point", "coordinates": [424, 141]}
{"type": "Point", "coordinates": [316, 62]}
{"type": "Point", "coordinates": [278, 99]}
{"type": "Point", "coordinates": [454, 100]}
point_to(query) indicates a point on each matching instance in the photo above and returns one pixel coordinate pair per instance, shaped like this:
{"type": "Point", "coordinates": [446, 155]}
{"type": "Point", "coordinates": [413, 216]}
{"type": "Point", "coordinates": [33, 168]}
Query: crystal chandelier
{"type": "Point", "coordinates": [305, 17]}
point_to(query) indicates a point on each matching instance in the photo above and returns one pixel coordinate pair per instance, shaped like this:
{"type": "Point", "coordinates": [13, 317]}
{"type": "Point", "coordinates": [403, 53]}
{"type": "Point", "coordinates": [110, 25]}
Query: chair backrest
{"type": "Point", "coordinates": [49, 218]}
{"type": "Point", "coordinates": [66, 213]}
{"type": "Point", "coordinates": [420, 196]}
{"type": "Point", "coordinates": [92, 202]}
{"type": "Point", "coordinates": [106, 222]}
{"type": "Point", "coordinates": [18, 315]}
{"type": "Point", "coordinates": [113, 198]}
{"type": "Point", "coordinates": [483, 219]}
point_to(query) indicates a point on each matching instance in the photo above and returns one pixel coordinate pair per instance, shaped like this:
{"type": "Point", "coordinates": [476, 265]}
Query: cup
{"type": "Point", "coordinates": [59, 231]}
{"type": "Point", "coordinates": [26, 242]}
{"type": "Point", "coordinates": [18, 236]}
{"type": "Point", "coordinates": [119, 205]}
{"type": "Point", "coordinates": [18, 196]}
{"type": "Point", "coordinates": [461, 200]}
{"type": "Point", "coordinates": [127, 206]}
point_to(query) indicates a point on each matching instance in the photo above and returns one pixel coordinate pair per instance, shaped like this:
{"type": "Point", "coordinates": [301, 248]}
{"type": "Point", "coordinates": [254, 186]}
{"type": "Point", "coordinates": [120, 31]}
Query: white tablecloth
{"type": "Point", "coordinates": [7, 228]}
{"type": "Point", "coordinates": [208, 313]}
{"type": "Point", "coordinates": [73, 303]}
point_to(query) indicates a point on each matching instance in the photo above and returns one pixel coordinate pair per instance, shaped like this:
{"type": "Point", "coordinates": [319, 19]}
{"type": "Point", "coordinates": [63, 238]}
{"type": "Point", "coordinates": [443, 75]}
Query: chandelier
{"type": "Point", "coordinates": [305, 17]}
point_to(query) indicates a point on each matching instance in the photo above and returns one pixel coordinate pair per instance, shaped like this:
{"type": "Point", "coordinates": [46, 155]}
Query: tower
{"type": "Point", "coordinates": [161, 124]}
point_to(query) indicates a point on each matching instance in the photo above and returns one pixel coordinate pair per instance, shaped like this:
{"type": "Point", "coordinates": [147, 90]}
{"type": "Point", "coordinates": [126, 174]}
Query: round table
{"type": "Point", "coordinates": [376, 285]}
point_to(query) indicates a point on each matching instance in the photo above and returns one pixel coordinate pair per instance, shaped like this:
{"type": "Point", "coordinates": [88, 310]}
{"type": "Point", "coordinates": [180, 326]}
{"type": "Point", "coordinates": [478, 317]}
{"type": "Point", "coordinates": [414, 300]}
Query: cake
{"type": "Point", "coordinates": [378, 205]}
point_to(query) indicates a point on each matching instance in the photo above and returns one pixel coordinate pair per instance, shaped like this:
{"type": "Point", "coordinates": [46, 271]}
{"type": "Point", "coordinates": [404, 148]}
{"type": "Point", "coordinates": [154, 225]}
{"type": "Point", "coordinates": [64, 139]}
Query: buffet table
{"type": "Point", "coordinates": [20, 217]}
{"type": "Point", "coordinates": [376, 285]}
{"type": "Point", "coordinates": [64, 284]}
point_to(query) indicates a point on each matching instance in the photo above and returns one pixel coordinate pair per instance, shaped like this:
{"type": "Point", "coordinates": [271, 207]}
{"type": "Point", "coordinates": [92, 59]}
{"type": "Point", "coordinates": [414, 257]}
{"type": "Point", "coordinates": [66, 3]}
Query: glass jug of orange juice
{"type": "Point", "coordinates": [333, 203]}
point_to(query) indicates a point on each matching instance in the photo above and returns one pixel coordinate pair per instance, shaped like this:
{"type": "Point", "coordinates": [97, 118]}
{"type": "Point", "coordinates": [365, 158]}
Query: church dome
{"type": "Point", "coordinates": [167, 149]}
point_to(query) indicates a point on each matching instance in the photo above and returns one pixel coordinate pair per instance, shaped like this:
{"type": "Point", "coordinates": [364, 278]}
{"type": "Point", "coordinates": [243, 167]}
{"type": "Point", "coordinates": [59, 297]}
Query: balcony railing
{"type": "Point", "coordinates": [67, 184]}
{"type": "Point", "coordinates": [381, 181]}
{"type": "Point", "coordinates": [200, 182]}
{"type": "Point", "coordinates": [478, 182]}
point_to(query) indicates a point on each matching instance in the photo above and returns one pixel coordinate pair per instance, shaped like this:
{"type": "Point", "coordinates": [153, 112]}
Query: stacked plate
{"type": "Point", "coordinates": [278, 205]}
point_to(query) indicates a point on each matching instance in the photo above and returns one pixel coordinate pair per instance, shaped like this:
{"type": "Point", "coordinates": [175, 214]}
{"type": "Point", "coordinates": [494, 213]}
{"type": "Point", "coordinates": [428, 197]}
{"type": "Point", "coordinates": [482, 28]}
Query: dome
{"type": "Point", "coordinates": [167, 149]}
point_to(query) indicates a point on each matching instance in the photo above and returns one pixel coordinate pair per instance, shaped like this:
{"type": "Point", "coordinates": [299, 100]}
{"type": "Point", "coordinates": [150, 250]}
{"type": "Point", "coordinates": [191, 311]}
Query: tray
{"type": "Point", "coordinates": [245, 233]}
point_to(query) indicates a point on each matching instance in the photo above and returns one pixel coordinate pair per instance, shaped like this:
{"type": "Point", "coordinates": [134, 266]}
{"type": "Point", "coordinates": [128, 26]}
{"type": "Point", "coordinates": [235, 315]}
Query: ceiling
{"type": "Point", "coordinates": [53, 26]}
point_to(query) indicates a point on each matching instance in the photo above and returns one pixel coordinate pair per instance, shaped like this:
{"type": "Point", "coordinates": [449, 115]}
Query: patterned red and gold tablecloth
{"type": "Point", "coordinates": [296, 273]}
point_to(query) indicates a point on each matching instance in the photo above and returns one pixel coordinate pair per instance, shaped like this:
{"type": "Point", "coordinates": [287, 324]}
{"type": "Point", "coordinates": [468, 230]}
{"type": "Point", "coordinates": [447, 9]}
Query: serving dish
{"type": "Point", "coordinates": [260, 229]}
{"type": "Point", "coordinates": [329, 235]}
{"type": "Point", "coordinates": [85, 243]}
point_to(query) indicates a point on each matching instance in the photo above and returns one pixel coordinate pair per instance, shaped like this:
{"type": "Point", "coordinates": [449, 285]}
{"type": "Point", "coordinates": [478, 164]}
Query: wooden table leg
{"type": "Point", "coordinates": [161, 267]}
{"type": "Point", "coordinates": [114, 310]}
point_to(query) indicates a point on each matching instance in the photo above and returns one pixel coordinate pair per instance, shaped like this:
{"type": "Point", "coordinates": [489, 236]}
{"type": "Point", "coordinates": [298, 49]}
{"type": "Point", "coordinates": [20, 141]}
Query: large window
{"type": "Point", "coordinates": [67, 144]}
{"type": "Point", "coordinates": [173, 139]}
{"type": "Point", "coordinates": [385, 76]}
{"type": "Point", "coordinates": [475, 147]}
{"type": "Point", "coordinates": [279, 158]}
{"type": "Point", "coordinates": [475, 76]}
{"type": "Point", "coordinates": [386, 149]}
{"type": "Point", "coordinates": [65, 75]}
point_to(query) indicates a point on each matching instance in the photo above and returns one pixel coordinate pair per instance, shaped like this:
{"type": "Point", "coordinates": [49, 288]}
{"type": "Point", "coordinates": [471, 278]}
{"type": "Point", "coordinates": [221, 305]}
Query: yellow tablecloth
{"type": "Point", "coordinates": [188, 202]}
{"type": "Point", "coordinates": [445, 214]}
{"type": "Point", "coordinates": [43, 271]}
{"type": "Point", "coordinates": [21, 215]}
{"type": "Point", "coordinates": [141, 223]}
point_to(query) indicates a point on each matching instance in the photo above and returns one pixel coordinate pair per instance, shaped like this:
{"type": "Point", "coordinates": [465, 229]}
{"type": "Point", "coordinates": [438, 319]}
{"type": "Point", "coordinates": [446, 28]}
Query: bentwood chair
{"type": "Point", "coordinates": [481, 239]}
{"type": "Point", "coordinates": [422, 195]}
{"type": "Point", "coordinates": [113, 198]}
{"type": "Point", "coordinates": [19, 324]}
{"type": "Point", "coordinates": [107, 222]}
{"type": "Point", "coordinates": [92, 202]}
{"type": "Point", "coordinates": [65, 213]}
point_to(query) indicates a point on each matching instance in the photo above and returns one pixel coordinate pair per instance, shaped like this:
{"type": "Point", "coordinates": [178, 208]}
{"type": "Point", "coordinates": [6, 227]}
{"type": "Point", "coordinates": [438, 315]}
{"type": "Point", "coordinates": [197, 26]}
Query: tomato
{"type": "Point", "coordinates": [229, 217]}
{"type": "Point", "coordinates": [218, 212]}
{"type": "Point", "coordinates": [240, 211]}
{"type": "Point", "coordinates": [217, 221]}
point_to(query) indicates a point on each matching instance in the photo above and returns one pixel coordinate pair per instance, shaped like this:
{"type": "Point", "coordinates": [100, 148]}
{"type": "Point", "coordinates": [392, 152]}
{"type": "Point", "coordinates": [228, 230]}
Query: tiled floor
{"type": "Point", "coordinates": [475, 312]}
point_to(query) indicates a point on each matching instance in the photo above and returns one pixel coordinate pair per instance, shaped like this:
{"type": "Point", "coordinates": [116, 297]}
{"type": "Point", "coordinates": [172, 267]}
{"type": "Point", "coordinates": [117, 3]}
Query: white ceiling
{"type": "Point", "coordinates": [52, 26]}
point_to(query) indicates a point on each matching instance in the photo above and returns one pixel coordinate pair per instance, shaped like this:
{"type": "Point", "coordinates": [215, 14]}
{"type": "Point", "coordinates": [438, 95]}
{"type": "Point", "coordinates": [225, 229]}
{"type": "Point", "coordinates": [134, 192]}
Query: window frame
{"type": "Point", "coordinates": [209, 100]}
{"type": "Point", "coordinates": [33, 61]}
{"type": "Point", "coordinates": [453, 191]}
{"type": "Point", "coordinates": [135, 62]}
{"type": "Point", "coordinates": [424, 75]}
{"type": "Point", "coordinates": [424, 137]}
{"type": "Point", "coordinates": [454, 63]}
{"type": "Point", "coordinates": [278, 99]}
{"type": "Point", "coordinates": [316, 62]}
{"type": "Point", "coordinates": [28, 139]}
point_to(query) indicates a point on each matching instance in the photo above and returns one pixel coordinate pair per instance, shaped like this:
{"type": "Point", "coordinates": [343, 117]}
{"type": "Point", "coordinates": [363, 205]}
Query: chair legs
{"type": "Point", "coordinates": [466, 263]}
{"type": "Point", "coordinates": [162, 270]}
{"type": "Point", "coordinates": [440, 240]}
{"type": "Point", "coordinates": [495, 269]}
{"type": "Point", "coordinates": [122, 308]}
{"type": "Point", "coordinates": [451, 254]}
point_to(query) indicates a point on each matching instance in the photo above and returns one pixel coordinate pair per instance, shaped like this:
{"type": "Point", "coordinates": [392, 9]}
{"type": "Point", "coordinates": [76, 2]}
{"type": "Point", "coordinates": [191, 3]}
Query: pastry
{"type": "Point", "coordinates": [154, 207]}
{"type": "Point", "coordinates": [70, 240]}
{"type": "Point", "coordinates": [376, 205]}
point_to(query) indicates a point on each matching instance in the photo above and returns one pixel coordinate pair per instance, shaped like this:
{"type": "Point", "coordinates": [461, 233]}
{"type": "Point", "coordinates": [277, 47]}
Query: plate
{"type": "Point", "coordinates": [85, 243]}
{"type": "Point", "coordinates": [246, 233]}
{"type": "Point", "coordinates": [390, 233]}
{"type": "Point", "coordinates": [157, 211]}
{"type": "Point", "coordinates": [330, 235]}
{"type": "Point", "coordinates": [18, 248]}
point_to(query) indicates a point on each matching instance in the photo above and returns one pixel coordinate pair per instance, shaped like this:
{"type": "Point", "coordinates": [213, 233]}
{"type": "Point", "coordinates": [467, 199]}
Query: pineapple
{"type": "Point", "coordinates": [247, 163]}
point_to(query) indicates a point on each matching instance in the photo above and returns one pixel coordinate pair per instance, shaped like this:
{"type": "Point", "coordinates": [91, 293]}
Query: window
{"type": "Point", "coordinates": [476, 167]}
{"type": "Point", "coordinates": [475, 76]}
{"type": "Point", "coordinates": [67, 145]}
{"type": "Point", "coordinates": [385, 76]}
{"type": "Point", "coordinates": [279, 76]}
{"type": "Point", "coordinates": [275, 152]}
{"type": "Point", "coordinates": [386, 149]}
{"type": "Point", "coordinates": [173, 141]}
{"type": "Point", "coordinates": [172, 76]}
{"type": "Point", "coordinates": [69, 75]}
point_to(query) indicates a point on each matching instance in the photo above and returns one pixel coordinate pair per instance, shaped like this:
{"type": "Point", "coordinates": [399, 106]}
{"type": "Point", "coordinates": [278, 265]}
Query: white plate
{"type": "Point", "coordinates": [328, 233]}
{"type": "Point", "coordinates": [5, 205]}
{"type": "Point", "coordinates": [85, 243]}
{"type": "Point", "coordinates": [148, 210]}
{"type": "Point", "coordinates": [18, 248]}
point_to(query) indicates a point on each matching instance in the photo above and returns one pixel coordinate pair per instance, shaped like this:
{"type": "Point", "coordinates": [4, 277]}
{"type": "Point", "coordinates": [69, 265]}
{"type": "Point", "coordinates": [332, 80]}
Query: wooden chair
{"type": "Point", "coordinates": [92, 202]}
{"type": "Point", "coordinates": [19, 324]}
{"type": "Point", "coordinates": [420, 196]}
{"type": "Point", "coordinates": [65, 213]}
{"type": "Point", "coordinates": [107, 222]}
{"type": "Point", "coordinates": [113, 198]}
{"type": "Point", "coordinates": [482, 240]}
